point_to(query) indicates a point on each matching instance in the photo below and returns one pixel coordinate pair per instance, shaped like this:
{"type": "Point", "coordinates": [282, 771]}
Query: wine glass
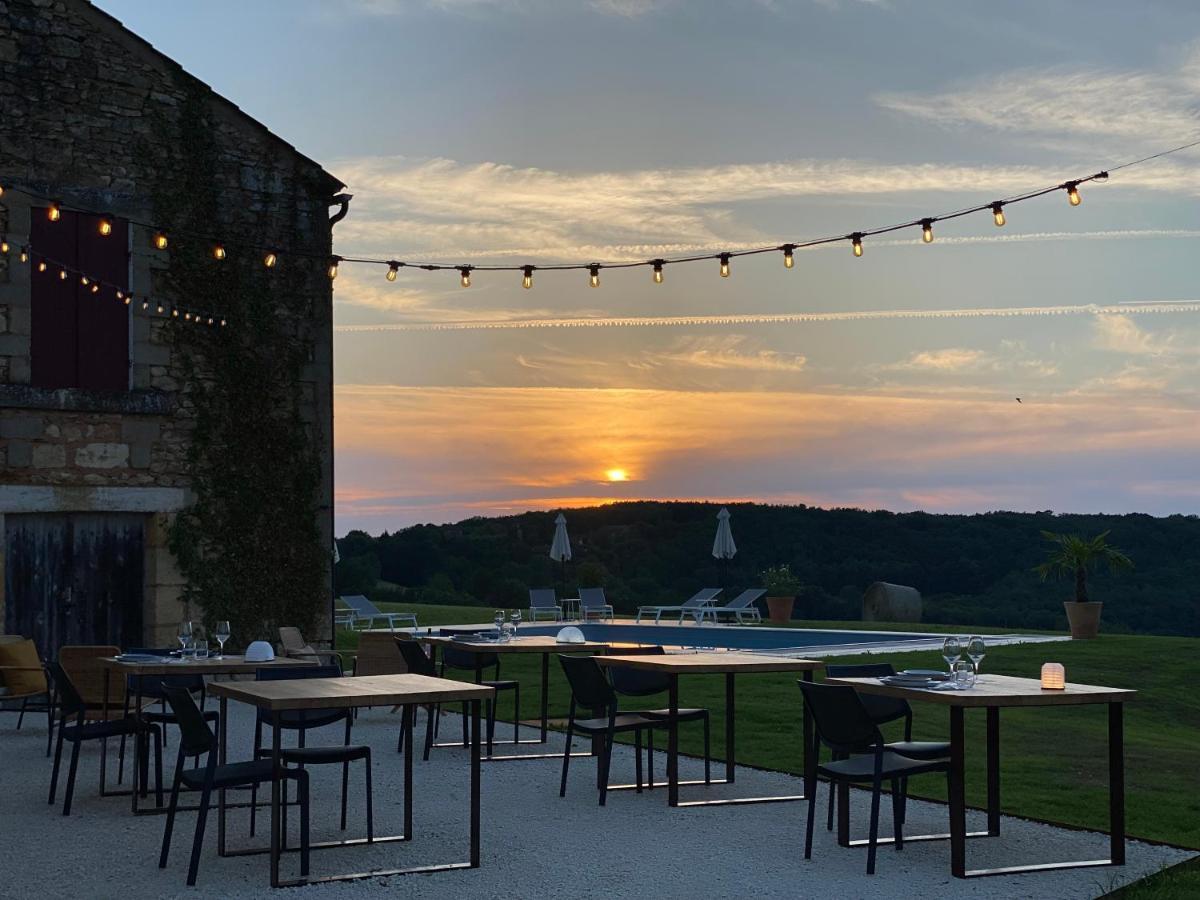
{"type": "Point", "coordinates": [222, 635]}
{"type": "Point", "coordinates": [498, 622]}
{"type": "Point", "coordinates": [184, 635]}
{"type": "Point", "coordinates": [952, 650]}
{"type": "Point", "coordinates": [516, 621]}
{"type": "Point", "coordinates": [976, 649]}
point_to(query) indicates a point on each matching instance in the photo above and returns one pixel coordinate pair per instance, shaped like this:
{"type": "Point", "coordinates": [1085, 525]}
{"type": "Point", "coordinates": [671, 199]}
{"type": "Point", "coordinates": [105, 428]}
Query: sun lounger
{"type": "Point", "coordinates": [367, 612]}
{"type": "Point", "coordinates": [701, 599]}
{"type": "Point", "coordinates": [742, 606]}
{"type": "Point", "coordinates": [543, 601]}
{"type": "Point", "coordinates": [591, 600]}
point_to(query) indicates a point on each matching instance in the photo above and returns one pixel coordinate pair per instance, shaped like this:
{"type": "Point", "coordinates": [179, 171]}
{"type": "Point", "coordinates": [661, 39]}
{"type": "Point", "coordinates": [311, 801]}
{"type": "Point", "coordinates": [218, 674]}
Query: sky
{"type": "Point", "coordinates": [546, 131]}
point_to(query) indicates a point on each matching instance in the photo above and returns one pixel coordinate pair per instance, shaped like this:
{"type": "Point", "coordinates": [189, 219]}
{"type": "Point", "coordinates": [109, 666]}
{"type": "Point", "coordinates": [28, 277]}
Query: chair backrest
{"type": "Point", "coordinates": [293, 642]}
{"type": "Point", "coordinates": [195, 737]}
{"type": "Point", "coordinates": [378, 655]}
{"type": "Point", "coordinates": [638, 682]}
{"type": "Point", "coordinates": [592, 598]}
{"type": "Point", "coordinates": [589, 688]}
{"type": "Point", "coordinates": [82, 665]}
{"type": "Point", "coordinates": [415, 659]}
{"type": "Point", "coordinates": [841, 720]}
{"type": "Point", "coordinates": [69, 702]}
{"type": "Point", "coordinates": [360, 604]}
{"type": "Point", "coordinates": [880, 709]}
{"type": "Point", "coordinates": [26, 675]}
{"type": "Point", "coordinates": [542, 598]}
{"type": "Point", "coordinates": [702, 597]}
{"type": "Point", "coordinates": [455, 658]}
{"type": "Point", "coordinates": [745, 599]}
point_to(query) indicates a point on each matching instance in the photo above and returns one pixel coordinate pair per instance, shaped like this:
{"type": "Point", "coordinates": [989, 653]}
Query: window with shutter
{"type": "Point", "coordinates": [79, 339]}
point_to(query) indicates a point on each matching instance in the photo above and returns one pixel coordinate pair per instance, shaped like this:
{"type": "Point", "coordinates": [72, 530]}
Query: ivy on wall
{"type": "Point", "coordinates": [248, 546]}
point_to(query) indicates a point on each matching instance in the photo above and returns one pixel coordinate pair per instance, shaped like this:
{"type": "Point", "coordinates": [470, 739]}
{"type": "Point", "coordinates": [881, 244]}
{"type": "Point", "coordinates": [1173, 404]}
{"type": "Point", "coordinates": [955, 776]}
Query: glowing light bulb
{"type": "Point", "coordinates": [42, 266]}
{"type": "Point", "coordinates": [128, 300]}
{"type": "Point", "coordinates": [95, 288]}
{"type": "Point", "coordinates": [218, 251]}
{"type": "Point", "coordinates": [54, 211]}
{"type": "Point", "coordinates": [175, 314]}
{"type": "Point", "coordinates": [856, 243]}
{"type": "Point", "coordinates": [1073, 193]}
{"type": "Point", "coordinates": [527, 278]}
{"type": "Point", "coordinates": [105, 227]}
{"type": "Point", "coordinates": [658, 271]}
{"type": "Point", "coordinates": [393, 271]}
{"type": "Point", "coordinates": [222, 323]}
{"type": "Point", "coordinates": [998, 214]}
{"type": "Point", "coordinates": [3, 246]}
{"type": "Point", "coordinates": [24, 254]}
{"type": "Point", "coordinates": [724, 257]}
{"type": "Point", "coordinates": [145, 304]}
{"type": "Point", "coordinates": [187, 316]}
{"type": "Point", "coordinates": [159, 308]}
{"type": "Point", "coordinates": [927, 230]}
{"type": "Point", "coordinates": [333, 267]}
{"type": "Point", "coordinates": [83, 279]}
{"type": "Point", "coordinates": [160, 240]}
{"type": "Point", "coordinates": [270, 259]}
{"type": "Point", "coordinates": [594, 276]}
{"type": "Point", "coordinates": [62, 274]}
{"type": "Point", "coordinates": [464, 276]}
{"type": "Point", "coordinates": [788, 259]}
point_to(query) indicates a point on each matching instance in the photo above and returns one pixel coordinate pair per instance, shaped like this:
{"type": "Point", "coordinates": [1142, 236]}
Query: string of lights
{"type": "Point", "coordinates": [160, 239]}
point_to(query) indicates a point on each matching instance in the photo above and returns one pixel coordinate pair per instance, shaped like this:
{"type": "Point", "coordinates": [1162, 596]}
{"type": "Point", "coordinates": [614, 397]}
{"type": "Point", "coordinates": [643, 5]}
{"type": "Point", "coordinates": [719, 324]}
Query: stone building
{"type": "Point", "coordinates": [95, 422]}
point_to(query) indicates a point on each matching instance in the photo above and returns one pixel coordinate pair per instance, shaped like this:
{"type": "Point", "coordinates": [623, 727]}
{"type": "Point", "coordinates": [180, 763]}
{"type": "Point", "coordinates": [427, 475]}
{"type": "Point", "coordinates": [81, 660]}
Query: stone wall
{"type": "Point", "coordinates": [90, 115]}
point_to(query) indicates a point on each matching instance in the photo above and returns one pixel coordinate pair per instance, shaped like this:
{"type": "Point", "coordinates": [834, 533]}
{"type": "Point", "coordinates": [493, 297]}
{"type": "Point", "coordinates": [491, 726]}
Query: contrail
{"type": "Point", "coordinates": [1129, 308]}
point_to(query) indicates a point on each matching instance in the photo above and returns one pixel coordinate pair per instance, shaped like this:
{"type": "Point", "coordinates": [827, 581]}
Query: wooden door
{"type": "Point", "coordinates": [74, 578]}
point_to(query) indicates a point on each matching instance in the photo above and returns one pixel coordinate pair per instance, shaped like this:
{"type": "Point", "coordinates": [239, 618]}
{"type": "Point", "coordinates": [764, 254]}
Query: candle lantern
{"type": "Point", "coordinates": [1054, 676]}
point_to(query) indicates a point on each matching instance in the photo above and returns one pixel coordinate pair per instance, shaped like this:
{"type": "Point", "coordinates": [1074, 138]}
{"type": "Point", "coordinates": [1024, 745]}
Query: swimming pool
{"type": "Point", "coordinates": [790, 641]}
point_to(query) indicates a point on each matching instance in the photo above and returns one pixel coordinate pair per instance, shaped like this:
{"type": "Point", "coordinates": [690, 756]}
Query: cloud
{"type": "Point", "coordinates": [952, 359]}
{"type": "Point", "coordinates": [532, 320]}
{"type": "Point", "coordinates": [415, 454]}
{"type": "Point", "coordinates": [724, 352]}
{"type": "Point", "coordinates": [1121, 334]}
{"type": "Point", "coordinates": [1132, 105]}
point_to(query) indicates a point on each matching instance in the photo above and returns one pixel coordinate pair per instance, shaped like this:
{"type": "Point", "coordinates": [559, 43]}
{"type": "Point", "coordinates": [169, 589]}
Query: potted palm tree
{"type": "Point", "coordinates": [1075, 555]}
{"type": "Point", "coordinates": [781, 587]}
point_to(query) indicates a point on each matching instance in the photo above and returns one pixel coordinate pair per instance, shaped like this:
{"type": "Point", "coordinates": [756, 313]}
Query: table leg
{"type": "Point", "coordinates": [222, 742]}
{"type": "Point", "coordinates": [673, 742]}
{"type": "Point", "coordinates": [104, 741]}
{"type": "Point", "coordinates": [730, 718]}
{"type": "Point", "coordinates": [958, 803]}
{"type": "Point", "coordinates": [475, 783]}
{"type": "Point", "coordinates": [993, 770]}
{"type": "Point", "coordinates": [1116, 783]}
{"type": "Point", "coordinates": [275, 823]}
{"type": "Point", "coordinates": [545, 697]}
{"type": "Point", "coordinates": [809, 735]}
{"type": "Point", "coordinates": [409, 716]}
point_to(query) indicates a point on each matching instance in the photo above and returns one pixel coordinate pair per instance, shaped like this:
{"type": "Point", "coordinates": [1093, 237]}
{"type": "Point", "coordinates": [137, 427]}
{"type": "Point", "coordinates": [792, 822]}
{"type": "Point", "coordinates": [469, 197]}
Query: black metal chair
{"type": "Point", "coordinates": [468, 661]}
{"type": "Point", "coordinates": [883, 710]}
{"type": "Point", "coordinates": [644, 683]}
{"type": "Point", "coordinates": [843, 724]}
{"type": "Point", "coordinates": [302, 721]}
{"type": "Point", "coordinates": [591, 690]}
{"type": "Point", "coordinates": [151, 687]}
{"type": "Point", "coordinates": [195, 740]}
{"type": "Point", "coordinates": [417, 662]}
{"type": "Point", "coordinates": [71, 706]}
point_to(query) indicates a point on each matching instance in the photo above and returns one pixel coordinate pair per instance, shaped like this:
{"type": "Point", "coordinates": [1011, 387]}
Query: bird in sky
{"type": "Point", "coordinates": [1018, 399]}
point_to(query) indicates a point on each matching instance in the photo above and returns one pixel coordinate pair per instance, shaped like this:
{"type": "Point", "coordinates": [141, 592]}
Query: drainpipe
{"type": "Point", "coordinates": [343, 202]}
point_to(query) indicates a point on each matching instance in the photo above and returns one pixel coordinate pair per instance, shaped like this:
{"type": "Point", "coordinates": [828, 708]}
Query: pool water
{"type": "Point", "coordinates": [727, 637]}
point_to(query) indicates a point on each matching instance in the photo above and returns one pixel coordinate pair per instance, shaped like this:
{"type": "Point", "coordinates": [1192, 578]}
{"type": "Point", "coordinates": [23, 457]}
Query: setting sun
{"type": "Point", "coordinates": [616, 475]}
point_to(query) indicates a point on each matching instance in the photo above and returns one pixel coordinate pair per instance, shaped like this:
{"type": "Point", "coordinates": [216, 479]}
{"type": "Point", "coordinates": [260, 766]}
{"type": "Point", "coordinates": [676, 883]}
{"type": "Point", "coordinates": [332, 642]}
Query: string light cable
{"type": "Point", "coordinates": [272, 256]}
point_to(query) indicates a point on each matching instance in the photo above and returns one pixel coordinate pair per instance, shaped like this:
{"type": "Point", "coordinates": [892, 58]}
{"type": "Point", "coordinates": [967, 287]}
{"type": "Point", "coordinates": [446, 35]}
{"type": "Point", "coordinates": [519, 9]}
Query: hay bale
{"type": "Point", "coordinates": [885, 602]}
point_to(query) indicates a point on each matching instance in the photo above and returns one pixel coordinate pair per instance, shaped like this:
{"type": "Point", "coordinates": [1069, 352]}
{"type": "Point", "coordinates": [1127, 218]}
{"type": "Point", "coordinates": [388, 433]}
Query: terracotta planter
{"type": "Point", "coordinates": [1084, 619]}
{"type": "Point", "coordinates": [779, 609]}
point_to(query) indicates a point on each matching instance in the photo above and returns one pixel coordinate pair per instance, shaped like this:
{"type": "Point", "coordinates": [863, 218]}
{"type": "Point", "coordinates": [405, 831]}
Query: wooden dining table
{"type": "Point", "coordinates": [993, 693]}
{"type": "Point", "coordinates": [730, 664]}
{"type": "Point", "coordinates": [406, 691]}
{"type": "Point", "coordinates": [138, 671]}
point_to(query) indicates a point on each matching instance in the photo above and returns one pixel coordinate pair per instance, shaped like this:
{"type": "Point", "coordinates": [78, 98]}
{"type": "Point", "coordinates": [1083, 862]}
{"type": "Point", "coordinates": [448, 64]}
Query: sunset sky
{"type": "Point", "coordinates": [542, 131]}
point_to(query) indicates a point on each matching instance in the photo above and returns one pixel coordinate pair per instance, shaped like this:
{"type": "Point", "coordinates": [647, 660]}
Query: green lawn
{"type": "Point", "coordinates": [1053, 761]}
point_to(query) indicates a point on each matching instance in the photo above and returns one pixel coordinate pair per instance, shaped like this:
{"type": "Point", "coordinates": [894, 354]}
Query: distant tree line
{"type": "Point", "coordinates": [975, 569]}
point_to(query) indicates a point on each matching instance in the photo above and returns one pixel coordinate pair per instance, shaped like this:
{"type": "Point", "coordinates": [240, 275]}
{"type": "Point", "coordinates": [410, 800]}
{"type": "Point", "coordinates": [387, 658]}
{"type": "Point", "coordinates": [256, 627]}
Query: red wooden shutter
{"type": "Point", "coordinates": [79, 339]}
